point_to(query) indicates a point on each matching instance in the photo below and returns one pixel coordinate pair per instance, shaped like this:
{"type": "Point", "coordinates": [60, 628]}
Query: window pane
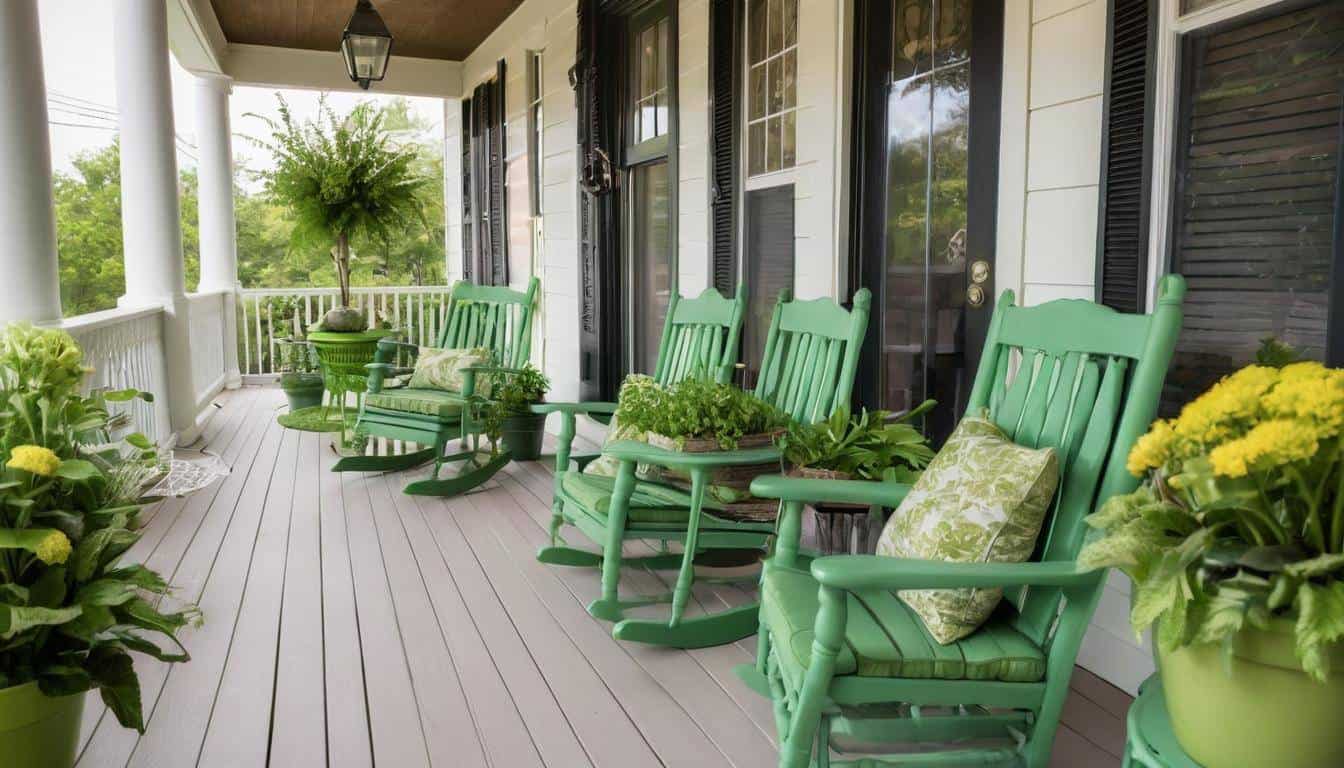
{"type": "Point", "coordinates": [953, 41]}
{"type": "Point", "coordinates": [790, 22]}
{"type": "Point", "coordinates": [903, 329]}
{"type": "Point", "coordinates": [776, 27]}
{"type": "Point", "coordinates": [651, 278]}
{"type": "Point", "coordinates": [757, 97]}
{"type": "Point", "coordinates": [913, 47]}
{"type": "Point", "coordinates": [774, 86]}
{"type": "Point", "coordinates": [772, 144]}
{"type": "Point", "coordinates": [756, 148]}
{"type": "Point", "coordinates": [787, 140]}
{"type": "Point", "coordinates": [789, 80]}
{"type": "Point", "coordinates": [756, 25]}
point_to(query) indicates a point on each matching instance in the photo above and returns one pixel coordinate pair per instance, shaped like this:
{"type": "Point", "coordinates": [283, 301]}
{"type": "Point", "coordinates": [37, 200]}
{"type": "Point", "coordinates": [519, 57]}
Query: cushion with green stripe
{"type": "Point", "coordinates": [651, 502]}
{"type": "Point", "coordinates": [884, 638]}
{"type": "Point", "coordinates": [424, 402]}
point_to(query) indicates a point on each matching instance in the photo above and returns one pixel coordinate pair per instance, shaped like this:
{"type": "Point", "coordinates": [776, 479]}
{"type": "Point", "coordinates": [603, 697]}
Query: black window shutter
{"type": "Point", "coordinates": [484, 233]}
{"type": "Point", "coordinates": [468, 210]}
{"type": "Point", "coordinates": [723, 190]}
{"type": "Point", "coordinates": [1122, 232]}
{"type": "Point", "coordinates": [499, 236]}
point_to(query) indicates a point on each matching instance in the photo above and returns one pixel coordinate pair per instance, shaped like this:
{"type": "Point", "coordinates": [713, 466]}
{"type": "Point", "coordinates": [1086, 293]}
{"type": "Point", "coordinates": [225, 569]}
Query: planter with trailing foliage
{"type": "Point", "coordinates": [70, 613]}
{"type": "Point", "coordinates": [1235, 545]}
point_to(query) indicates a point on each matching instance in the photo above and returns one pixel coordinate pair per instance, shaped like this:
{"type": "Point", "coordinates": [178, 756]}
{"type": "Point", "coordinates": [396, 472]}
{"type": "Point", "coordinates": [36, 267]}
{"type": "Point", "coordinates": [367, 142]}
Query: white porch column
{"type": "Point", "coordinates": [150, 216]}
{"type": "Point", "coordinates": [218, 231]}
{"type": "Point", "coordinates": [31, 288]}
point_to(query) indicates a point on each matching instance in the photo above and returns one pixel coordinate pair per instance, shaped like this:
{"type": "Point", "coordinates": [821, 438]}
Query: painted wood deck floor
{"type": "Point", "coordinates": [350, 625]}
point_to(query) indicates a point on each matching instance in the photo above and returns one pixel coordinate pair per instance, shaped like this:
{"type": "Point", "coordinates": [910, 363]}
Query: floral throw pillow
{"type": "Point", "coordinates": [982, 499]}
{"type": "Point", "coordinates": [442, 369]}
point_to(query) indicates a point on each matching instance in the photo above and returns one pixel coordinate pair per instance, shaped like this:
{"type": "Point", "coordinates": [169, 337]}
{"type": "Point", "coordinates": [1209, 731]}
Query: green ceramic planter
{"type": "Point", "coordinates": [1265, 714]}
{"type": "Point", "coordinates": [303, 390]}
{"type": "Point", "coordinates": [523, 435]}
{"type": "Point", "coordinates": [37, 731]}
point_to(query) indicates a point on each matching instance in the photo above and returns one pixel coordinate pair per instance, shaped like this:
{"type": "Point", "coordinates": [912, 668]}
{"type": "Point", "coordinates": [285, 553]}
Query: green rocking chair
{"type": "Point", "coordinates": [478, 316]}
{"type": "Point", "coordinates": [700, 338]}
{"type": "Point", "coordinates": [811, 353]}
{"type": "Point", "coordinates": [839, 653]}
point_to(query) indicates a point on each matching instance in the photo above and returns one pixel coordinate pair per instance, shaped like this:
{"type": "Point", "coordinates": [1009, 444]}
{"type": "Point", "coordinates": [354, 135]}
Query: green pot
{"type": "Point", "coordinates": [39, 731]}
{"type": "Point", "coordinates": [1259, 710]}
{"type": "Point", "coordinates": [303, 390]}
{"type": "Point", "coordinates": [522, 435]}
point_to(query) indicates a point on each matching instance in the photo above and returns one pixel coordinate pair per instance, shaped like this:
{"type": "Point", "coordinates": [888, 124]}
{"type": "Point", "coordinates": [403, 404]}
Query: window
{"type": "Point", "coordinates": [649, 111]}
{"type": "Point", "coordinates": [1255, 227]}
{"type": "Point", "coordinates": [772, 84]}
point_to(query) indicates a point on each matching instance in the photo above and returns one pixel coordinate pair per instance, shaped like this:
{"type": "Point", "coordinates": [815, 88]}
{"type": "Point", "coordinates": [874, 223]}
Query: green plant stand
{"type": "Point", "coordinates": [1151, 743]}
{"type": "Point", "coordinates": [343, 357]}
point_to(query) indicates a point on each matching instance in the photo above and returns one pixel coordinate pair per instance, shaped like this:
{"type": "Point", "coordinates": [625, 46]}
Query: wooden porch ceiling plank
{"type": "Point", "coordinates": [394, 723]}
{"type": "Point", "coordinates": [238, 729]}
{"type": "Point", "coordinates": [502, 730]}
{"type": "Point", "coordinates": [679, 673]}
{"type": "Point", "coordinates": [608, 735]}
{"type": "Point", "coordinates": [166, 537]}
{"type": "Point", "coordinates": [298, 728]}
{"type": "Point", "coordinates": [451, 732]}
{"type": "Point", "coordinates": [545, 720]}
{"type": "Point", "coordinates": [670, 730]}
{"type": "Point", "coordinates": [347, 713]}
{"type": "Point", "coordinates": [213, 573]}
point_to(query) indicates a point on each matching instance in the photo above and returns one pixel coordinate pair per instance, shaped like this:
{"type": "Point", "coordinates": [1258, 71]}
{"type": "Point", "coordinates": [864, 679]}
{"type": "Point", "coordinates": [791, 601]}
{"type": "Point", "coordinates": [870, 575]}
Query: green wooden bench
{"type": "Point", "coordinates": [492, 317]}
{"type": "Point", "coordinates": [808, 366]}
{"type": "Point", "coordinates": [840, 655]}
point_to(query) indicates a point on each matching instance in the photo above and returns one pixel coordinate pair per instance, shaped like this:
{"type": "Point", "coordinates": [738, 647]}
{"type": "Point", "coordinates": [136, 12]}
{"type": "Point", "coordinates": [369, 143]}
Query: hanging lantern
{"type": "Point", "coordinates": [366, 45]}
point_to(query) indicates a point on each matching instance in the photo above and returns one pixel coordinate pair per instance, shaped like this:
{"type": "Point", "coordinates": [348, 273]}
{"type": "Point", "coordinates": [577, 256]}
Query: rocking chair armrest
{"type": "Point", "coordinates": [593, 407]}
{"type": "Point", "coordinates": [643, 453]}
{"type": "Point", "coordinates": [816, 491]}
{"type": "Point", "coordinates": [857, 573]}
{"type": "Point", "coordinates": [388, 347]}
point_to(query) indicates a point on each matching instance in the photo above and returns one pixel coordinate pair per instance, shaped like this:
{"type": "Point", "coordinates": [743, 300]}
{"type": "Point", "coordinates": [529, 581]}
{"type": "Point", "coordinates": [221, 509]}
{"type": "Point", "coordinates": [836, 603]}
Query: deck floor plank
{"type": "Point", "coordinates": [349, 625]}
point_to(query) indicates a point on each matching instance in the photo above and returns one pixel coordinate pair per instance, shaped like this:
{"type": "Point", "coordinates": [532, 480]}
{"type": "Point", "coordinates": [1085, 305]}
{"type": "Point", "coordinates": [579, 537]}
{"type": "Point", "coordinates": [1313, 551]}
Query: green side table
{"type": "Point", "coordinates": [1151, 743]}
{"type": "Point", "coordinates": [343, 357]}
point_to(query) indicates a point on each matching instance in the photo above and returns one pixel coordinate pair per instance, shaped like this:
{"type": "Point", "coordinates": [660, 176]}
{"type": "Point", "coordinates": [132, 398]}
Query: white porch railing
{"type": "Point", "coordinates": [124, 346]}
{"type": "Point", "coordinates": [208, 369]}
{"type": "Point", "coordinates": [266, 315]}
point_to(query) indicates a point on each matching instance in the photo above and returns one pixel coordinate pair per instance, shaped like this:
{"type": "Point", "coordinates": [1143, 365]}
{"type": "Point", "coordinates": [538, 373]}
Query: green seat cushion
{"type": "Point", "coordinates": [982, 499]}
{"type": "Point", "coordinates": [651, 502]}
{"type": "Point", "coordinates": [885, 638]}
{"type": "Point", "coordinates": [423, 402]}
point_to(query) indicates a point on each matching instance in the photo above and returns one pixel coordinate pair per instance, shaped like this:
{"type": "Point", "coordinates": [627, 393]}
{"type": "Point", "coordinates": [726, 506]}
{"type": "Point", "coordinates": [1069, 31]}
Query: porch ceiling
{"type": "Point", "coordinates": [431, 29]}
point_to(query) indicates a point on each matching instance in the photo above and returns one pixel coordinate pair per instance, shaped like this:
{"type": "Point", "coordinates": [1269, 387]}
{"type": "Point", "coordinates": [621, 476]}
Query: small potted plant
{"type": "Point", "coordinates": [698, 415]}
{"type": "Point", "coordinates": [70, 613]}
{"type": "Point", "coordinates": [519, 428]}
{"type": "Point", "coordinates": [1235, 546]}
{"type": "Point", "coordinates": [300, 377]}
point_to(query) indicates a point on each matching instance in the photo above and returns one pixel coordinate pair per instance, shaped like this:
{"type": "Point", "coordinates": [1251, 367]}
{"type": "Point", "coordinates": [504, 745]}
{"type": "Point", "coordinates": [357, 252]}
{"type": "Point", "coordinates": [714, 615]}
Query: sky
{"type": "Point", "coordinates": [77, 54]}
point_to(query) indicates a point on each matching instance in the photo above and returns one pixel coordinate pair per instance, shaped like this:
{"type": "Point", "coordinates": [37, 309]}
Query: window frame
{"type": "Point", "coordinates": [784, 174]}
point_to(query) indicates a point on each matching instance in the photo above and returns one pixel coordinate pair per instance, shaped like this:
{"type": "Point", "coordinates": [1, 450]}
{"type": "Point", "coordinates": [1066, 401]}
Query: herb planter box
{"type": "Point", "coordinates": [39, 731]}
{"type": "Point", "coordinates": [709, 444]}
{"type": "Point", "coordinates": [1259, 709]}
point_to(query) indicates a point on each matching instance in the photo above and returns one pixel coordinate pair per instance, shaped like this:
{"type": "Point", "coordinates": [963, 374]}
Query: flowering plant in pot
{"type": "Point", "coordinates": [70, 613]}
{"type": "Point", "coordinates": [343, 178]}
{"type": "Point", "coordinates": [1235, 546]}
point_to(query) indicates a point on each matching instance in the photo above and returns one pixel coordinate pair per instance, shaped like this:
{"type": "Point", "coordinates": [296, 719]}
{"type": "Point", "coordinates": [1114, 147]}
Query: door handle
{"type": "Point", "coordinates": [975, 295]}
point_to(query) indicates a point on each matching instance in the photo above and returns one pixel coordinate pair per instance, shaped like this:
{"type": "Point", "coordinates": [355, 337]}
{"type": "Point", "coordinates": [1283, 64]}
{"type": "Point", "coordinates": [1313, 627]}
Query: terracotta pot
{"type": "Point", "coordinates": [36, 730]}
{"type": "Point", "coordinates": [1257, 710]}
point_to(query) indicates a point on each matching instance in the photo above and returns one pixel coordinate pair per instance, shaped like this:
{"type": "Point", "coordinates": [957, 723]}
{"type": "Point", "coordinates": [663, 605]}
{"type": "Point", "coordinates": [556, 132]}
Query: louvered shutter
{"type": "Point", "coordinates": [484, 225]}
{"type": "Point", "coordinates": [498, 256]}
{"type": "Point", "coordinates": [1123, 222]}
{"type": "Point", "coordinates": [468, 209]}
{"type": "Point", "coordinates": [723, 192]}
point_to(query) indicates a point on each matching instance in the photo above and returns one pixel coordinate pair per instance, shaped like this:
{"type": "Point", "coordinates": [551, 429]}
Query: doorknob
{"type": "Point", "coordinates": [975, 295]}
{"type": "Point", "coordinates": [979, 271]}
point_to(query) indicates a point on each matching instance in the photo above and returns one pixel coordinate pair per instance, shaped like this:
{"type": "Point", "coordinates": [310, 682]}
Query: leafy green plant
{"type": "Point", "coordinates": [1241, 519]}
{"type": "Point", "coordinates": [341, 178]}
{"type": "Point", "coordinates": [295, 357]}
{"type": "Point", "coordinates": [870, 446]}
{"type": "Point", "coordinates": [70, 614]}
{"type": "Point", "coordinates": [515, 393]}
{"type": "Point", "coordinates": [695, 408]}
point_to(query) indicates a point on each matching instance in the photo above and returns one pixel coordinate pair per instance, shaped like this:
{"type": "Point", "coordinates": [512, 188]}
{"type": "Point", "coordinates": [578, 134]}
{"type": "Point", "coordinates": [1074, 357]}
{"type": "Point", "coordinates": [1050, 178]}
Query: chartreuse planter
{"type": "Point", "coordinates": [841, 655]}
{"type": "Point", "coordinates": [1256, 709]}
{"type": "Point", "coordinates": [36, 730]}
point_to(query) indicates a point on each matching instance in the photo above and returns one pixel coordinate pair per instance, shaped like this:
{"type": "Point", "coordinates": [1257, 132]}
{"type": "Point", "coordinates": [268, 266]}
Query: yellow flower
{"type": "Point", "coordinates": [1269, 444]}
{"type": "Point", "coordinates": [1153, 449]}
{"type": "Point", "coordinates": [1227, 407]}
{"type": "Point", "coordinates": [54, 549]}
{"type": "Point", "coordinates": [1311, 392]}
{"type": "Point", "coordinates": [35, 459]}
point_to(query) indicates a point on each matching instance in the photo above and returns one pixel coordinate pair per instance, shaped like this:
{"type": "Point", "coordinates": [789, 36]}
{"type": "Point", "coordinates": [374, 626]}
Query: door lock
{"type": "Point", "coordinates": [979, 271]}
{"type": "Point", "coordinates": [975, 295]}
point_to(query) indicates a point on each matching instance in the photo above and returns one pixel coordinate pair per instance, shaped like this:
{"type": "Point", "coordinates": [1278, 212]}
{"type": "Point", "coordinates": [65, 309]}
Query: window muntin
{"type": "Point", "coordinates": [772, 85]}
{"type": "Point", "coordinates": [650, 111]}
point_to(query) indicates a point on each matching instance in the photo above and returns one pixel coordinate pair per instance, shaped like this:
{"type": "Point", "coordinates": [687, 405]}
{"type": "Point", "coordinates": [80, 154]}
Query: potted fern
{"type": "Point", "coordinates": [342, 179]}
{"type": "Point", "coordinates": [71, 614]}
{"type": "Point", "coordinates": [1235, 546]}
